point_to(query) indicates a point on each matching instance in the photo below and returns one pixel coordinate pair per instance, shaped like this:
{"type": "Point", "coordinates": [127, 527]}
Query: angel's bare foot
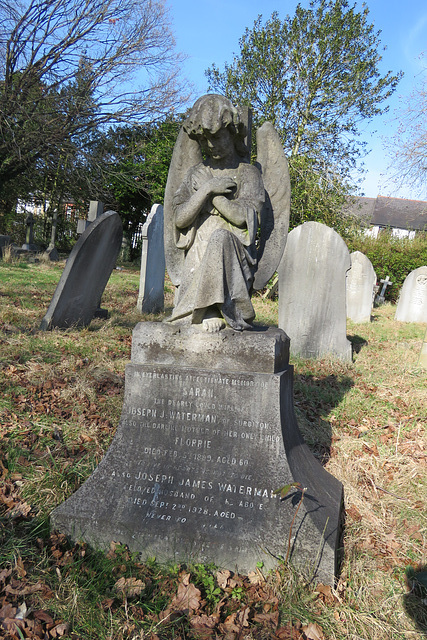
{"type": "Point", "coordinates": [212, 320]}
{"type": "Point", "coordinates": [213, 325]}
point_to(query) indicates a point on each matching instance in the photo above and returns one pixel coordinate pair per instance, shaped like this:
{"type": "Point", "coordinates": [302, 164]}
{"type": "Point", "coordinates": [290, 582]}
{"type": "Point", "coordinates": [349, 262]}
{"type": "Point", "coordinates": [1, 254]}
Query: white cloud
{"type": "Point", "coordinates": [416, 43]}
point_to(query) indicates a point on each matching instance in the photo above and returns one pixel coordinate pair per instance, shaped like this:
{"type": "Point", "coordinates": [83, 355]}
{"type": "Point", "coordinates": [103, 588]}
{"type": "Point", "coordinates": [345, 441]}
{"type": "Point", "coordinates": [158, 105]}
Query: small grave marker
{"type": "Point", "coordinates": [380, 299]}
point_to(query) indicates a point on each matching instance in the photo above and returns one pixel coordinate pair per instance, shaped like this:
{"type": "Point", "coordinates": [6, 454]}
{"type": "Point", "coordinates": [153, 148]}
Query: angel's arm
{"type": "Point", "coordinates": [189, 202]}
{"type": "Point", "coordinates": [251, 198]}
{"type": "Point", "coordinates": [231, 210]}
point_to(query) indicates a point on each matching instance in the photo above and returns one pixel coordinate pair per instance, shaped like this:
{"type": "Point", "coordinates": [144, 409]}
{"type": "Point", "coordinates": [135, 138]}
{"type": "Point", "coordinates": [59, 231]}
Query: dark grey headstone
{"type": "Point", "coordinates": [52, 254]}
{"type": "Point", "coordinates": [4, 242]}
{"type": "Point", "coordinates": [86, 274]}
{"type": "Point", "coordinates": [201, 447]}
{"type": "Point", "coordinates": [152, 277]}
{"type": "Point", "coordinates": [312, 296]}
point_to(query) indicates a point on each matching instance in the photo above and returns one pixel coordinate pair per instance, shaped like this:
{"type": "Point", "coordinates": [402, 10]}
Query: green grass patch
{"type": "Point", "coordinates": [61, 403]}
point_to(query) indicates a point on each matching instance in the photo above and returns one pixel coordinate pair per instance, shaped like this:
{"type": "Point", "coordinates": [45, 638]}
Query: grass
{"type": "Point", "coordinates": [62, 398]}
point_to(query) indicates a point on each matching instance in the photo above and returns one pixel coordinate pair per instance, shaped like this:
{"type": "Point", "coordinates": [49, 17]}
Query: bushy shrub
{"type": "Point", "coordinates": [392, 256]}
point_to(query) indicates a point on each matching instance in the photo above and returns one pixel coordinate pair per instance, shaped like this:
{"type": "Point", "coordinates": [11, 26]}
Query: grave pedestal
{"type": "Point", "coordinates": [207, 434]}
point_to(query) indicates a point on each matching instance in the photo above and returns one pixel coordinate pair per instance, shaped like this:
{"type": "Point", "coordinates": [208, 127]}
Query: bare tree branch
{"type": "Point", "coordinates": [69, 66]}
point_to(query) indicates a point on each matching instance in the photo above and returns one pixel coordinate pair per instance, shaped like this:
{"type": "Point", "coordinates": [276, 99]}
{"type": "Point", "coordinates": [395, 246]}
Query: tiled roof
{"type": "Point", "coordinates": [391, 212]}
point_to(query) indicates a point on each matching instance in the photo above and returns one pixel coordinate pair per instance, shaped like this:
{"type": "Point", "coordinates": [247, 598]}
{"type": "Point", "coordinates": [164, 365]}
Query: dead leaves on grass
{"type": "Point", "coordinates": [256, 610]}
{"type": "Point", "coordinates": [17, 618]}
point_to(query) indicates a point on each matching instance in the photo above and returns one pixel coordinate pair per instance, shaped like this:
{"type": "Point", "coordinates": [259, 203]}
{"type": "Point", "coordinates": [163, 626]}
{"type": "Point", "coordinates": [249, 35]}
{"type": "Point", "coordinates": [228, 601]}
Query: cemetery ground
{"type": "Point", "coordinates": [61, 403]}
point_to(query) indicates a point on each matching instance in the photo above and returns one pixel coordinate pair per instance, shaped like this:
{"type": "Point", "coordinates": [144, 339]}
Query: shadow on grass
{"type": "Point", "coordinates": [357, 342]}
{"type": "Point", "coordinates": [314, 398]}
{"type": "Point", "coordinates": [415, 601]}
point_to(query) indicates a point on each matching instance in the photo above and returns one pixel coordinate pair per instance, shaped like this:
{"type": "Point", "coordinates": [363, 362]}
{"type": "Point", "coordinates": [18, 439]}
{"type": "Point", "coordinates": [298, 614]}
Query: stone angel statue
{"type": "Point", "coordinates": [226, 220]}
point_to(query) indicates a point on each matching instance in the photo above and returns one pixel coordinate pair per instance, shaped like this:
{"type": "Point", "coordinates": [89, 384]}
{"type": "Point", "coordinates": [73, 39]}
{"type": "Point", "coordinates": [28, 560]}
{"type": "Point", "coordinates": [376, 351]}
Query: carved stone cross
{"type": "Point", "coordinates": [381, 298]}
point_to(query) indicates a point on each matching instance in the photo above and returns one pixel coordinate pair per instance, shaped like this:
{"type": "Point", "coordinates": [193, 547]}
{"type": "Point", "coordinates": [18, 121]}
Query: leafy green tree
{"type": "Point", "coordinates": [391, 256]}
{"type": "Point", "coordinates": [132, 164]}
{"type": "Point", "coordinates": [315, 76]}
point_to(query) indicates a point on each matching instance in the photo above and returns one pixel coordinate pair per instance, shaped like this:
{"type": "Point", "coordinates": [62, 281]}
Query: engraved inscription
{"type": "Point", "coordinates": [196, 443]}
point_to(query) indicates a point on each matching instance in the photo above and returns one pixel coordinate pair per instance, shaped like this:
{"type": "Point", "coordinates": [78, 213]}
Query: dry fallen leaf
{"type": "Point", "coordinates": [256, 578]}
{"type": "Point", "coordinates": [270, 620]}
{"type": "Point", "coordinates": [313, 632]}
{"type": "Point", "coordinates": [24, 590]}
{"type": "Point", "coordinates": [325, 594]}
{"type": "Point", "coordinates": [204, 625]}
{"type": "Point", "coordinates": [222, 578]}
{"type": "Point", "coordinates": [20, 567]}
{"type": "Point", "coordinates": [187, 598]}
{"type": "Point", "coordinates": [287, 633]}
{"type": "Point", "coordinates": [129, 587]}
{"type": "Point", "coordinates": [60, 630]}
{"type": "Point", "coordinates": [7, 611]}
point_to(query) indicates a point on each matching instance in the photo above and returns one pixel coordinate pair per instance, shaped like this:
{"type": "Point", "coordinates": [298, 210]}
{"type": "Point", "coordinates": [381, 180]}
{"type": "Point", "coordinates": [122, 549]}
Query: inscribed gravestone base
{"type": "Point", "coordinates": [412, 303]}
{"type": "Point", "coordinates": [360, 281]}
{"type": "Point", "coordinates": [198, 454]}
{"type": "Point", "coordinates": [312, 295]}
{"type": "Point", "coordinates": [152, 278]}
{"type": "Point", "coordinates": [86, 274]}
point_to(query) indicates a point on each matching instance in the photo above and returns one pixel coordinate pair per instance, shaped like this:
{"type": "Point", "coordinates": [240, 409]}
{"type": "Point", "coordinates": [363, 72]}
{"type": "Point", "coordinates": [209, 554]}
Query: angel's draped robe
{"type": "Point", "coordinates": [220, 258]}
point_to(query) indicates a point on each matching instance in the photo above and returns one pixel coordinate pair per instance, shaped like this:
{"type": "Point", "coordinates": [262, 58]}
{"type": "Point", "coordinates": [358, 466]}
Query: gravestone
{"type": "Point", "coordinates": [152, 278]}
{"type": "Point", "coordinates": [312, 292]}
{"type": "Point", "coordinates": [207, 435]}
{"type": "Point", "coordinates": [360, 282]}
{"type": "Point", "coordinates": [87, 271]}
{"type": "Point", "coordinates": [380, 298]}
{"type": "Point", "coordinates": [4, 243]}
{"type": "Point", "coordinates": [96, 209]}
{"type": "Point", "coordinates": [29, 244]}
{"type": "Point", "coordinates": [412, 303]}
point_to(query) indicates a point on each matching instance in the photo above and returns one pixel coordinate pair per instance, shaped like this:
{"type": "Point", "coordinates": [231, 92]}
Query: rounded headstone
{"type": "Point", "coordinates": [312, 296]}
{"type": "Point", "coordinates": [360, 282]}
{"type": "Point", "coordinates": [86, 274]}
{"type": "Point", "coordinates": [412, 304]}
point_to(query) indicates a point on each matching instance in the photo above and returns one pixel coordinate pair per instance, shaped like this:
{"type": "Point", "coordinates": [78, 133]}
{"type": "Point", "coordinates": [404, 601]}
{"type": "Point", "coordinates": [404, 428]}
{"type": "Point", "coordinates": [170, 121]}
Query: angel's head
{"type": "Point", "coordinates": [211, 116]}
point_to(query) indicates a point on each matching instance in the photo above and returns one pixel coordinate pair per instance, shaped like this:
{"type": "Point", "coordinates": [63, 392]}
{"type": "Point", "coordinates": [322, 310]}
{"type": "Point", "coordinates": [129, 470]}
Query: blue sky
{"type": "Point", "coordinates": [208, 31]}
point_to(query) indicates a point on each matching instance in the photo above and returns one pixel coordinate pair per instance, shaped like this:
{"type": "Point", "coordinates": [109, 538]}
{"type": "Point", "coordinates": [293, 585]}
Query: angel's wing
{"type": "Point", "coordinates": [186, 154]}
{"type": "Point", "coordinates": [272, 163]}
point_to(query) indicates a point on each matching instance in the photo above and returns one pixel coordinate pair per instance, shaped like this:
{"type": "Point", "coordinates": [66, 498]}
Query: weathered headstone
{"type": "Point", "coordinates": [360, 282]}
{"type": "Point", "coordinates": [4, 242]}
{"type": "Point", "coordinates": [412, 303]}
{"type": "Point", "coordinates": [29, 244]}
{"type": "Point", "coordinates": [152, 278]}
{"type": "Point", "coordinates": [312, 297]}
{"type": "Point", "coordinates": [207, 435]}
{"type": "Point", "coordinates": [96, 209]}
{"type": "Point", "coordinates": [380, 298]}
{"type": "Point", "coordinates": [86, 273]}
